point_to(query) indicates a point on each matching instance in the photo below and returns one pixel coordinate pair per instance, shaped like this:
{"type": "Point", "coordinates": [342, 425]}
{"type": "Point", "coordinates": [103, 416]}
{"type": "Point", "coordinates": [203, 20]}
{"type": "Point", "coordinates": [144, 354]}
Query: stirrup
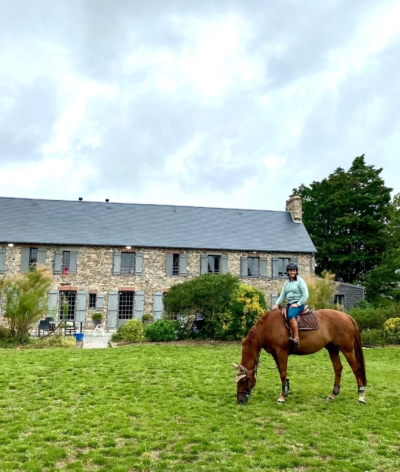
{"type": "Point", "coordinates": [295, 341]}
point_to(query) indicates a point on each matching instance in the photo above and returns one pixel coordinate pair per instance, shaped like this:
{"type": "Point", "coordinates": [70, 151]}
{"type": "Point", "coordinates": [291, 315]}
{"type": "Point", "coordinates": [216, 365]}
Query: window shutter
{"type": "Point", "coordinates": [116, 264]}
{"type": "Point", "coordinates": [52, 304]}
{"type": "Point", "coordinates": [157, 305]}
{"type": "Point", "coordinates": [263, 267]}
{"type": "Point", "coordinates": [169, 262]}
{"type": "Point", "coordinates": [2, 260]}
{"type": "Point", "coordinates": [41, 255]}
{"type": "Point", "coordinates": [139, 304]}
{"type": "Point", "coordinates": [203, 264]}
{"type": "Point", "coordinates": [275, 261]}
{"type": "Point", "coordinates": [182, 265]}
{"type": "Point", "coordinates": [112, 309]}
{"type": "Point", "coordinates": [72, 261]}
{"type": "Point", "coordinates": [81, 306]}
{"type": "Point", "coordinates": [25, 259]}
{"type": "Point", "coordinates": [139, 263]}
{"type": "Point", "coordinates": [274, 298]}
{"type": "Point", "coordinates": [243, 267]}
{"type": "Point", "coordinates": [100, 301]}
{"type": "Point", "coordinates": [224, 264]}
{"type": "Point", "coordinates": [57, 262]}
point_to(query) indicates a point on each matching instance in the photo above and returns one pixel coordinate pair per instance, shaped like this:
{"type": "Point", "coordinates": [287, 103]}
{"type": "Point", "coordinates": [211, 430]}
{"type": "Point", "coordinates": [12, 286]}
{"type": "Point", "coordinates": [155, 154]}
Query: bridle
{"type": "Point", "coordinates": [248, 390]}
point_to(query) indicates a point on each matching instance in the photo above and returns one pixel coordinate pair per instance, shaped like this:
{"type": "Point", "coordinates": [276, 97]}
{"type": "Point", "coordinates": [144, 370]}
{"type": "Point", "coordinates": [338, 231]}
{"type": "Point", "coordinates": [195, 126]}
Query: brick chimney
{"type": "Point", "coordinates": [295, 207]}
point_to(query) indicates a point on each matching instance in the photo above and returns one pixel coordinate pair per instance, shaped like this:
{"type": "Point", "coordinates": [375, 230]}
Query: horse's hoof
{"type": "Point", "coordinates": [329, 399]}
{"type": "Point", "coordinates": [362, 402]}
{"type": "Point", "coordinates": [280, 402]}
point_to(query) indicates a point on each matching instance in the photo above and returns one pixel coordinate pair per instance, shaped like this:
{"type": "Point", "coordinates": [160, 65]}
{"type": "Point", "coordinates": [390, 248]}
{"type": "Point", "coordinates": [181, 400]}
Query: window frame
{"type": "Point", "coordinates": [72, 296]}
{"type": "Point", "coordinates": [253, 260]}
{"type": "Point", "coordinates": [214, 258]}
{"type": "Point", "coordinates": [130, 304]}
{"type": "Point", "coordinates": [128, 269]}
{"type": "Point", "coordinates": [92, 296]}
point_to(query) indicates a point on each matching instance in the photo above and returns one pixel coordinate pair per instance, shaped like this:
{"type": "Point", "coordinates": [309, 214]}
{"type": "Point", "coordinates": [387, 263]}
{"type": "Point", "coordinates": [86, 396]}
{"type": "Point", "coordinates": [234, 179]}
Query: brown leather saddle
{"type": "Point", "coordinates": [307, 320]}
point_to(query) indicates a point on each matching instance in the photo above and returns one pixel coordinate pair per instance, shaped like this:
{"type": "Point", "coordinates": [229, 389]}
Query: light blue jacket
{"type": "Point", "coordinates": [295, 291]}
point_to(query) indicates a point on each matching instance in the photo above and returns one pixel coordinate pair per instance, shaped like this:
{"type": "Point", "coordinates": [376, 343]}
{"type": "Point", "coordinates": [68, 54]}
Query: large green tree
{"type": "Point", "coordinates": [346, 216]}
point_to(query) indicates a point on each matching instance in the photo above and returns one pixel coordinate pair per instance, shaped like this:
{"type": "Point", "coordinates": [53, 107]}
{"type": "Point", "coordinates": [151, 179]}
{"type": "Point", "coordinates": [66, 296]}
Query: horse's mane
{"type": "Point", "coordinates": [252, 334]}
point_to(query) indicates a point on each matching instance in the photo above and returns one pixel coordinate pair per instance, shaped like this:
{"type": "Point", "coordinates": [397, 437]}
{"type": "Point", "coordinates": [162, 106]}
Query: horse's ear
{"type": "Point", "coordinates": [235, 366]}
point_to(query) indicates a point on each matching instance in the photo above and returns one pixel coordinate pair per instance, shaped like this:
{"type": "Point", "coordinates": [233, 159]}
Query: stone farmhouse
{"type": "Point", "coordinates": [120, 259]}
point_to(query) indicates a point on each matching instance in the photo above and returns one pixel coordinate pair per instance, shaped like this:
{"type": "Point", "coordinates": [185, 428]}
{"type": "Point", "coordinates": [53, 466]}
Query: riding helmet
{"type": "Point", "coordinates": [291, 265]}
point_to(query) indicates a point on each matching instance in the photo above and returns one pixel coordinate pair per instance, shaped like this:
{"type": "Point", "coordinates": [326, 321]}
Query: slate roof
{"type": "Point", "coordinates": [81, 223]}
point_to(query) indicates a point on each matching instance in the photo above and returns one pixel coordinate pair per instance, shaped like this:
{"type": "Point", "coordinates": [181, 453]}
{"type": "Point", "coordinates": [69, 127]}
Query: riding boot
{"type": "Point", "coordinates": [295, 330]}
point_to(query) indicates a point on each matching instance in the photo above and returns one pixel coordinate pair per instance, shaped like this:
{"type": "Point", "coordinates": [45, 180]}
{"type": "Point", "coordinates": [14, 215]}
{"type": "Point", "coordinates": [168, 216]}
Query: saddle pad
{"type": "Point", "coordinates": [306, 321]}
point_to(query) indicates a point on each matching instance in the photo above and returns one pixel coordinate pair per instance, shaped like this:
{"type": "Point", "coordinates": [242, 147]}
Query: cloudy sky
{"type": "Point", "coordinates": [226, 103]}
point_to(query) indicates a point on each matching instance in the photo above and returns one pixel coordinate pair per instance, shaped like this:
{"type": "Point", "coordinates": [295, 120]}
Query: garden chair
{"type": "Point", "coordinates": [101, 327]}
{"type": "Point", "coordinates": [69, 328]}
{"type": "Point", "coordinates": [44, 325]}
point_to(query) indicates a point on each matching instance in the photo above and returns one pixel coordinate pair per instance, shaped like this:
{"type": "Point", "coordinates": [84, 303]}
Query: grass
{"type": "Point", "coordinates": [172, 408]}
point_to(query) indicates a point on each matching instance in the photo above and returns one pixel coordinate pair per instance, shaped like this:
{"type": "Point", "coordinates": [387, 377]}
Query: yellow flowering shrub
{"type": "Point", "coordinates": [392, 330]}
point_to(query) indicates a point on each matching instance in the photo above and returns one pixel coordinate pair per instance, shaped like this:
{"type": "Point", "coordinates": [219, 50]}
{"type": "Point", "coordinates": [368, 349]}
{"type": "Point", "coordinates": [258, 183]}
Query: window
{"type": "Point", "coordinates": [339, 300]}
{"type": "Point", "coordinates": [214, 264]}
{"type": "Point", "coordinates": [176, 264]}
{"type": "Point", "coordinates": [92, 301]}
{"type": "Point", "coordinates": [125, 305]}
{"type": "Point", "coordinates": [33, 257]}
{"type": "Point", "coordinates": [252, 266]}
{"type": "Point", "coordinates": [67, 305]}
{"type": "Point", "coordinates": [282, 263]}
{"type": "Point", "coordinates": [66, 258]}
{"type": "Point", "coordinates": [127, 263]}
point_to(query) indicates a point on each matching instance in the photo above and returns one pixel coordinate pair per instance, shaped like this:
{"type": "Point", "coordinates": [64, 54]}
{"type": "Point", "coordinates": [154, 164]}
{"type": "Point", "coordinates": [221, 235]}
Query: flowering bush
{"type": "Point", "coordinates": [392, 330]}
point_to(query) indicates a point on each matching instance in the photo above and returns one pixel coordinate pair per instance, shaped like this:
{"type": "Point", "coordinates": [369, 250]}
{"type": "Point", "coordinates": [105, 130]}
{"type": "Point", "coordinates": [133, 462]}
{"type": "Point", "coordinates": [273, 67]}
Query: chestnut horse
{"type": "Point", "coordinates": [337, 332]}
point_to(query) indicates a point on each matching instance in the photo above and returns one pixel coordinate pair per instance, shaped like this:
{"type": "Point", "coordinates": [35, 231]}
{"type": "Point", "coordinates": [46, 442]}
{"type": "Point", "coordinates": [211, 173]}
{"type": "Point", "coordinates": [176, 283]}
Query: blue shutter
{"type": "Point", "coordinates": [203, 264]}
{"type": "Point", "coordinates": [100, 301]}
{"type": "Point", "coordinates": [81, 306]}
{"type": "Point", "coordinates": [158, 307]}
{"type": "Point", "coordinates": [275, 261]}
{"type": "Point", "coordinates": [274, 298]}
{"type": "Point", "coordinates": [25, 252]}
{"type": "Point", "coordinates": [139, 263]}
{"type": "Point", "coordinates": [139, 304]}
{"type": "Point", "coordinates": [73, 256]}
{"type": "Point", "coordinates": [52, 304]}
{"type": "Point", "coordinates": [263, 267]}
{"type": "Point", "coordinates": [243, 267]}
{"type": "Point", "coordinates": [2, 260]}
{"type": "Point", "coordinates": [116, 263]}
{"type": "Point", "coordinates": [182, 265]}
{"type": "Point", "coordinates": [169, 263]}
{"type": "Point", "coordinates": [224, 264]}
{"type": "Point", "coordinates": [112, 309]}
{"type": "Point", "coordinates": [57, 262]}
{"type": "Point", "coordinates": [41, 255]}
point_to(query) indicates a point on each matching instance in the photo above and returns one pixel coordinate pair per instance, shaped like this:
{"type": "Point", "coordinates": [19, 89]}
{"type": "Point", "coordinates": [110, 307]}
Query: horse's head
{"type": "Point", "coordinates": [244, 383]}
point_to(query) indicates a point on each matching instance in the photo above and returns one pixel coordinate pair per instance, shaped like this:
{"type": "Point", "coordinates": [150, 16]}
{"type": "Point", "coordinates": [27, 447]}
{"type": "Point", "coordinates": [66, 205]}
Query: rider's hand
{"type": "Point", "coordinates": [275, 307]}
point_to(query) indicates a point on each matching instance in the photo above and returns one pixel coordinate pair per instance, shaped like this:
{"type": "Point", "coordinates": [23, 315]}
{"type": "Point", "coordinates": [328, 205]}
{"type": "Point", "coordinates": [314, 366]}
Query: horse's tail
{"type": "Point", "coordinates": [358, 351]}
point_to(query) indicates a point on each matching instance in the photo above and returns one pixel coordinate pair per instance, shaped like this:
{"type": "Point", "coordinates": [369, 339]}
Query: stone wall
{"type": "Point", "coordinates": [94, 271]}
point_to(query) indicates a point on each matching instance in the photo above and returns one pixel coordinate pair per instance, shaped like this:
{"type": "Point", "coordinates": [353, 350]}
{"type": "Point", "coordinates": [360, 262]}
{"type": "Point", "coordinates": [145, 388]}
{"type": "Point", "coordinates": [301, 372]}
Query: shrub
{"type": "Point", "coordinates": [371, 317]}
{"type": "Point", "coordinates": [392, 330]}
{"type": "Point", "coordinates": [26, 300]}
{"type": "Point", "coordinates": [161, 330]}
{"type": "Point", "coordinates": [97, 316]}
{"type": "Point", "coordinates": [132, 331]}
{"type": "Point", "coordinates": [373, 337]}
{"type": "Point", "coordinates": [4, 332]}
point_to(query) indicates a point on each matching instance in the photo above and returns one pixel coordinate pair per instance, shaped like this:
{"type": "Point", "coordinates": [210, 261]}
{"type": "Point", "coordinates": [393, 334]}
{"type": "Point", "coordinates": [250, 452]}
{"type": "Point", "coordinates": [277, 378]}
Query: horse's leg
{"type": "Point", "coordinates": [281, 359]}
{"type": "Point", "coordinates": [337, 367]}
{"type": "Point", "coordinates": [351, 359]}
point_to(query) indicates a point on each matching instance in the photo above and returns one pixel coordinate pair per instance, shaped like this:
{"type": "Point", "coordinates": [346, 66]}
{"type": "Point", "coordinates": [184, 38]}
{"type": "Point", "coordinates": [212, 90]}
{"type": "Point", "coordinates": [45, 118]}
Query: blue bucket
{"type": "Point", "coordinates": [79, 336]}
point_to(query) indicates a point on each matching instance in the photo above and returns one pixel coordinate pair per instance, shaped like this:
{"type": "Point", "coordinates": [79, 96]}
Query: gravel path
{"type": "Point", "coordinates": [95, 342]}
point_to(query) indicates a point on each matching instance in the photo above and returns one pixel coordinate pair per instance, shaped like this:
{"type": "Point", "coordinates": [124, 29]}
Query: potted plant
{"type": "Point", "coordinates": [97, 318]}
{"type": "Point", "coordinates": [147, 318]}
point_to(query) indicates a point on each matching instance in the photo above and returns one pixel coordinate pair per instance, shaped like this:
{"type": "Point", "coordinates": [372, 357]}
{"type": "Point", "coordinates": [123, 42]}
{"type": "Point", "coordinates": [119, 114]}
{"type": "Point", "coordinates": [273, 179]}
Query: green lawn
{"type": "Point", "coordinates": [173, 407]}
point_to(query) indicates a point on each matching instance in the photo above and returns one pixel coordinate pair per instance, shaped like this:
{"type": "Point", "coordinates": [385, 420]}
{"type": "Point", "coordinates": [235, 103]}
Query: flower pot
{"type": "Point", "coordinates": [79, 336]}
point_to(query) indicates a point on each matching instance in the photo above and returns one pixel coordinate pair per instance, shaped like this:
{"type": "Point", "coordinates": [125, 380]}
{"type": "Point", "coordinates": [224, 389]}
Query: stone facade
{"type": "Point", "coordinates": [94, 272]}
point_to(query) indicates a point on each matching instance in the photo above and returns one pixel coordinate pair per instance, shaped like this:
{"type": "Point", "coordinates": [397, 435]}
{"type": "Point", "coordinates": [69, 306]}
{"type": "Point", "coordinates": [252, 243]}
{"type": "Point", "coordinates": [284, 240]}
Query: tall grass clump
{"type": "Point", "coordinates": [321, 290]}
